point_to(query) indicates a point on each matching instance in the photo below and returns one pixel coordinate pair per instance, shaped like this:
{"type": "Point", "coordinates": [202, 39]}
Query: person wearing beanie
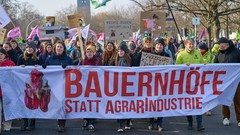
{"type": "Point", "coordinates": [92, 60]}
{"type": "Point", "coordinates": [208, 57]}
{"type": "Point", "coordinates": [229, 54]}
{"type": "Point", "coordinates": [133, 53]}
{"type": "Point", "coordinates": [158, 50]}
{"type": "Point", "coordinates": [123, 59]}
{"type": "Point", "coordinates": [28, 58]}
{"type": "Point", "coordinates": [38, 44]}
{"type": "Point", "coordinates": [11, 53]}
{"type": "Point", "coordinates": [191, 56]}
{"type": "Point", "coordinates": [109, 54]}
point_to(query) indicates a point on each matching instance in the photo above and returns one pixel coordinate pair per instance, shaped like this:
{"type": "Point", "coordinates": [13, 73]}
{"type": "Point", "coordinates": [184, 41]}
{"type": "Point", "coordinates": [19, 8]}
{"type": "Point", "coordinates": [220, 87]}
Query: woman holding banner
{"type": "Point", "coordinates": [92, 60]}
{"type": "Point", "coordinates": [109, 54]}
{"type": "Point", "coordinates": [28, 58]}
{"type": "Point", "coordinates": [191, 56]}
{"type": "Point", "coordinates": [123, 59]}
{"type": "Point", "coordinates": [59, 57]}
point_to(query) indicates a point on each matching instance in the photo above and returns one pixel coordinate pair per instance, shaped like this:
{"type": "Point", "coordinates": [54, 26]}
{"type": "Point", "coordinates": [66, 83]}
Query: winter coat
{"type": "Point", "coordinates": [93, 61]}
{"type": "Point", "coordinates": [28, 62]}
{"type": "Point", "coordinates": [231, 55]}
{"type": "Point", "coordinates": [59, 60]}
{"type": "Point", "coordinates": [146, 50]}
{"type": "Point", "coordinates": [195, 57]}
{"type": "Point", "coordinates": [76, 55]}
{"type": "Point", "coordinates": [42, 57]}
{"type": "Point", "coordinates": [13, 56]}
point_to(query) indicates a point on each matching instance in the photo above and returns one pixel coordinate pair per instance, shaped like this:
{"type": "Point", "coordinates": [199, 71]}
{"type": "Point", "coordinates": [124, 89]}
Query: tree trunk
{"type": "Point", "coordinates": [217, 26]}
{"type": "Point", "coordinates": [209, 31]}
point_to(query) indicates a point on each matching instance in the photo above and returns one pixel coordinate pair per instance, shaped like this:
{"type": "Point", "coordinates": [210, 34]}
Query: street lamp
{"type": "Point", "coordinates": [29, 25]}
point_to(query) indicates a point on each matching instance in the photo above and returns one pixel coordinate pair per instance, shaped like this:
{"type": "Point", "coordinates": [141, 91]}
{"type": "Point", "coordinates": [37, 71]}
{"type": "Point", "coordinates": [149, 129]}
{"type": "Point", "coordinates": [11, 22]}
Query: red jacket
{"type": "Point", "coordinates": [92, 62]}
{"type": "Point", "coordinates": [6, 62]}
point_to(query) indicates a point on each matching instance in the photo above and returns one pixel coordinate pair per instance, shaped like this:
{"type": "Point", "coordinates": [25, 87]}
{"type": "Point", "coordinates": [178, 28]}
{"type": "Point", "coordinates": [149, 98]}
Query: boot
{"type": "Point", "coordinates": [32, 124]}
{"type": "Point", "coordinates": [199, 123]}
{"type": "Point", "coordinates": [190, 122]}
{"type": "Point", "coordinates": [24, 125]}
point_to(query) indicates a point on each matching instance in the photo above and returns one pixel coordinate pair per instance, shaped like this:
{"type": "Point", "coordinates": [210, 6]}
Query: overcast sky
{"type": "Point", "coordinates": [49, 7]}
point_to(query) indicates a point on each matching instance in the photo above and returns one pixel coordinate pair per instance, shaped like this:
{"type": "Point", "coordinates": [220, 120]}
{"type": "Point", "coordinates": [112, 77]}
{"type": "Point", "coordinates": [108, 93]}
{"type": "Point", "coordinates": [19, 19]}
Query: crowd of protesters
{"type": "Point", "coordinates": [129, 54]}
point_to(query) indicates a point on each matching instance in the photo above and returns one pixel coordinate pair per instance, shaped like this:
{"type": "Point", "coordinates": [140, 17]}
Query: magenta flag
{"type": "Point", "coordinates": [203, 33]}
{"type": "Point", "coordinates": [34, 32]}
{"type": "Point", "coordinates": [15, 33]}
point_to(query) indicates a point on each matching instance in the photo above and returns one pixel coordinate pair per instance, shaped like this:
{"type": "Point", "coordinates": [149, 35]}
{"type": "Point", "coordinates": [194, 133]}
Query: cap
{"type": "Point", "coordinates": [203, 46]}
{"type": "Point", "coordinates": [223, 40]}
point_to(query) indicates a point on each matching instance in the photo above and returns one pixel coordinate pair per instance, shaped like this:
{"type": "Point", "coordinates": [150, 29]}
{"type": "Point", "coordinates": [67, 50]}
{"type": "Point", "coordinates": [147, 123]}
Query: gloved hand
{"type": "Point", "coordinates": [44, 65]}
{"type": "Point", "coordinates": [64, 65]}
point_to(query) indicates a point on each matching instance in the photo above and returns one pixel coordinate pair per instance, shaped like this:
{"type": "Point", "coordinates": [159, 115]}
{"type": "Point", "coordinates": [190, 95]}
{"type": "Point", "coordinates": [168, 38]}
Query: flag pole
{"type": "Point", "coordinates": [174, 21]}
{"type": "Point", "coordinates": [13, 24]}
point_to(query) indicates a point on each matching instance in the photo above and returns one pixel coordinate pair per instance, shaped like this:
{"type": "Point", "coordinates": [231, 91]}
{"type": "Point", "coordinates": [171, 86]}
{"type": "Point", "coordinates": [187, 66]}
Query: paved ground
{"type": "Point", "coordinates": [171, 125]}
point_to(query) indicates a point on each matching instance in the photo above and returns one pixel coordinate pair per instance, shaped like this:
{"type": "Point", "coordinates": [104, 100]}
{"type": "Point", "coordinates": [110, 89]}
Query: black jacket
{"type": "Point", "coordinates": [231, 55]}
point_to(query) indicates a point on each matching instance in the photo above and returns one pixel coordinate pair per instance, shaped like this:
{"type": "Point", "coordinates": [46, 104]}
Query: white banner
{"type": "Point", "coordinates": [116, 92]}
{"type": "Point", "coordinates": [4, 18]}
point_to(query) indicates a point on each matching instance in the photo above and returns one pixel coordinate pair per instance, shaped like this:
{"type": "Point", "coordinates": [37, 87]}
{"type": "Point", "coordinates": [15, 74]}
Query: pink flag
{"type": "Point", "coordinates": [100, 37]}
{"type": "Point", "coordinates": [72, 32]}
{"type": "Point", "coordinates": [15, 33]}
{"type": "Point", "coordinates": [34, 32]}
{"type": "Point", "coordinates": [203, 33]}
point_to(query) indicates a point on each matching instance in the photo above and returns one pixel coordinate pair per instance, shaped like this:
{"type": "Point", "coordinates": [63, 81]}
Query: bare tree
{"type": "Point", "coordinates": [210, 11]}
{"type": "Point", "coordinates": [61, 15]}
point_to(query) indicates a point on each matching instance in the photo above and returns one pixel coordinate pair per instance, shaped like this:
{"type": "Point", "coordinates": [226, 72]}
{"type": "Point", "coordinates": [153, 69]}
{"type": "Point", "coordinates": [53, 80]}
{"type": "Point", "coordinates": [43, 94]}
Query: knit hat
{"type": "Point", "coordinates": [223, 40]}
{"type": "Point", "coordinates": [203, 46]}
{"type": "Point", "coordinates": [123, 46]}
{"type": "Point", "coordinates": [132, 45]}
{"type": "Point", "coordinates": [31, 44]}
{"type": "Point", "coordinates": [35, 38]}
{"type": "Point", "coordinates": [160, 40]}
{"type": "Point", "coordinates": [4, 52]}
{"type": "Point", "coordinates": [92, 48]}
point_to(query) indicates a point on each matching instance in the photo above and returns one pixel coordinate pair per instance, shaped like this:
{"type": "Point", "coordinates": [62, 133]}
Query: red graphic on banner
{"type": "Point", "coordinates": [37, 92]}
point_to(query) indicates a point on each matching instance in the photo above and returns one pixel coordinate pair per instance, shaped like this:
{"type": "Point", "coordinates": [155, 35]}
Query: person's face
{"type": "Point", "coordinates": [109, 47]}
{"type": "Point", "coordinates": [201, 51]}
{"type": "Point", "coordinates": [29, 50]}
{"type": "Point", "coordinates": [159, 47]}
{"type": "Point", "coordinates": [6, 47]}
{"type": "Point", "coordinates": [2, 56]}
{"type": "Point", "coordinates": [89, 54]}
{"type": "Point", "coordinates": [59, 49]}
{"type": "Point", "coordinates": [36, 42]}
{"type": "Point", "coordinates": [148, 44]}
{"type": "Point", "coordinates": [14, 45]}
{"type": "Point", "coordinates": [121, 53]}
{"type": "Point", "coordinates": [49, 48]}
{"type": "Point", "coordinates": [223, 46]}
{"type": "Point", "coordinates": [190, 46]}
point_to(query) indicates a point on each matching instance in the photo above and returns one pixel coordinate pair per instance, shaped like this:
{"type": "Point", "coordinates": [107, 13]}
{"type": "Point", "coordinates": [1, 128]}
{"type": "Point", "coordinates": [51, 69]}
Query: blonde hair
{"type": "Point", "coordinates": [34, 57]}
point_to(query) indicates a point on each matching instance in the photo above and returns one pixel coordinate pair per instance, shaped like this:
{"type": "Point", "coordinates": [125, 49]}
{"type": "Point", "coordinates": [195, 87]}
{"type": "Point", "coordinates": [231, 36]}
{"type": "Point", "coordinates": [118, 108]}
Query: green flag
{"type": "Point", "coordinates": [237, 35]}
{"type": "Point", "coordinates": [190, 36]}
{"type": "Point", "coordinates": [99, 3]}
